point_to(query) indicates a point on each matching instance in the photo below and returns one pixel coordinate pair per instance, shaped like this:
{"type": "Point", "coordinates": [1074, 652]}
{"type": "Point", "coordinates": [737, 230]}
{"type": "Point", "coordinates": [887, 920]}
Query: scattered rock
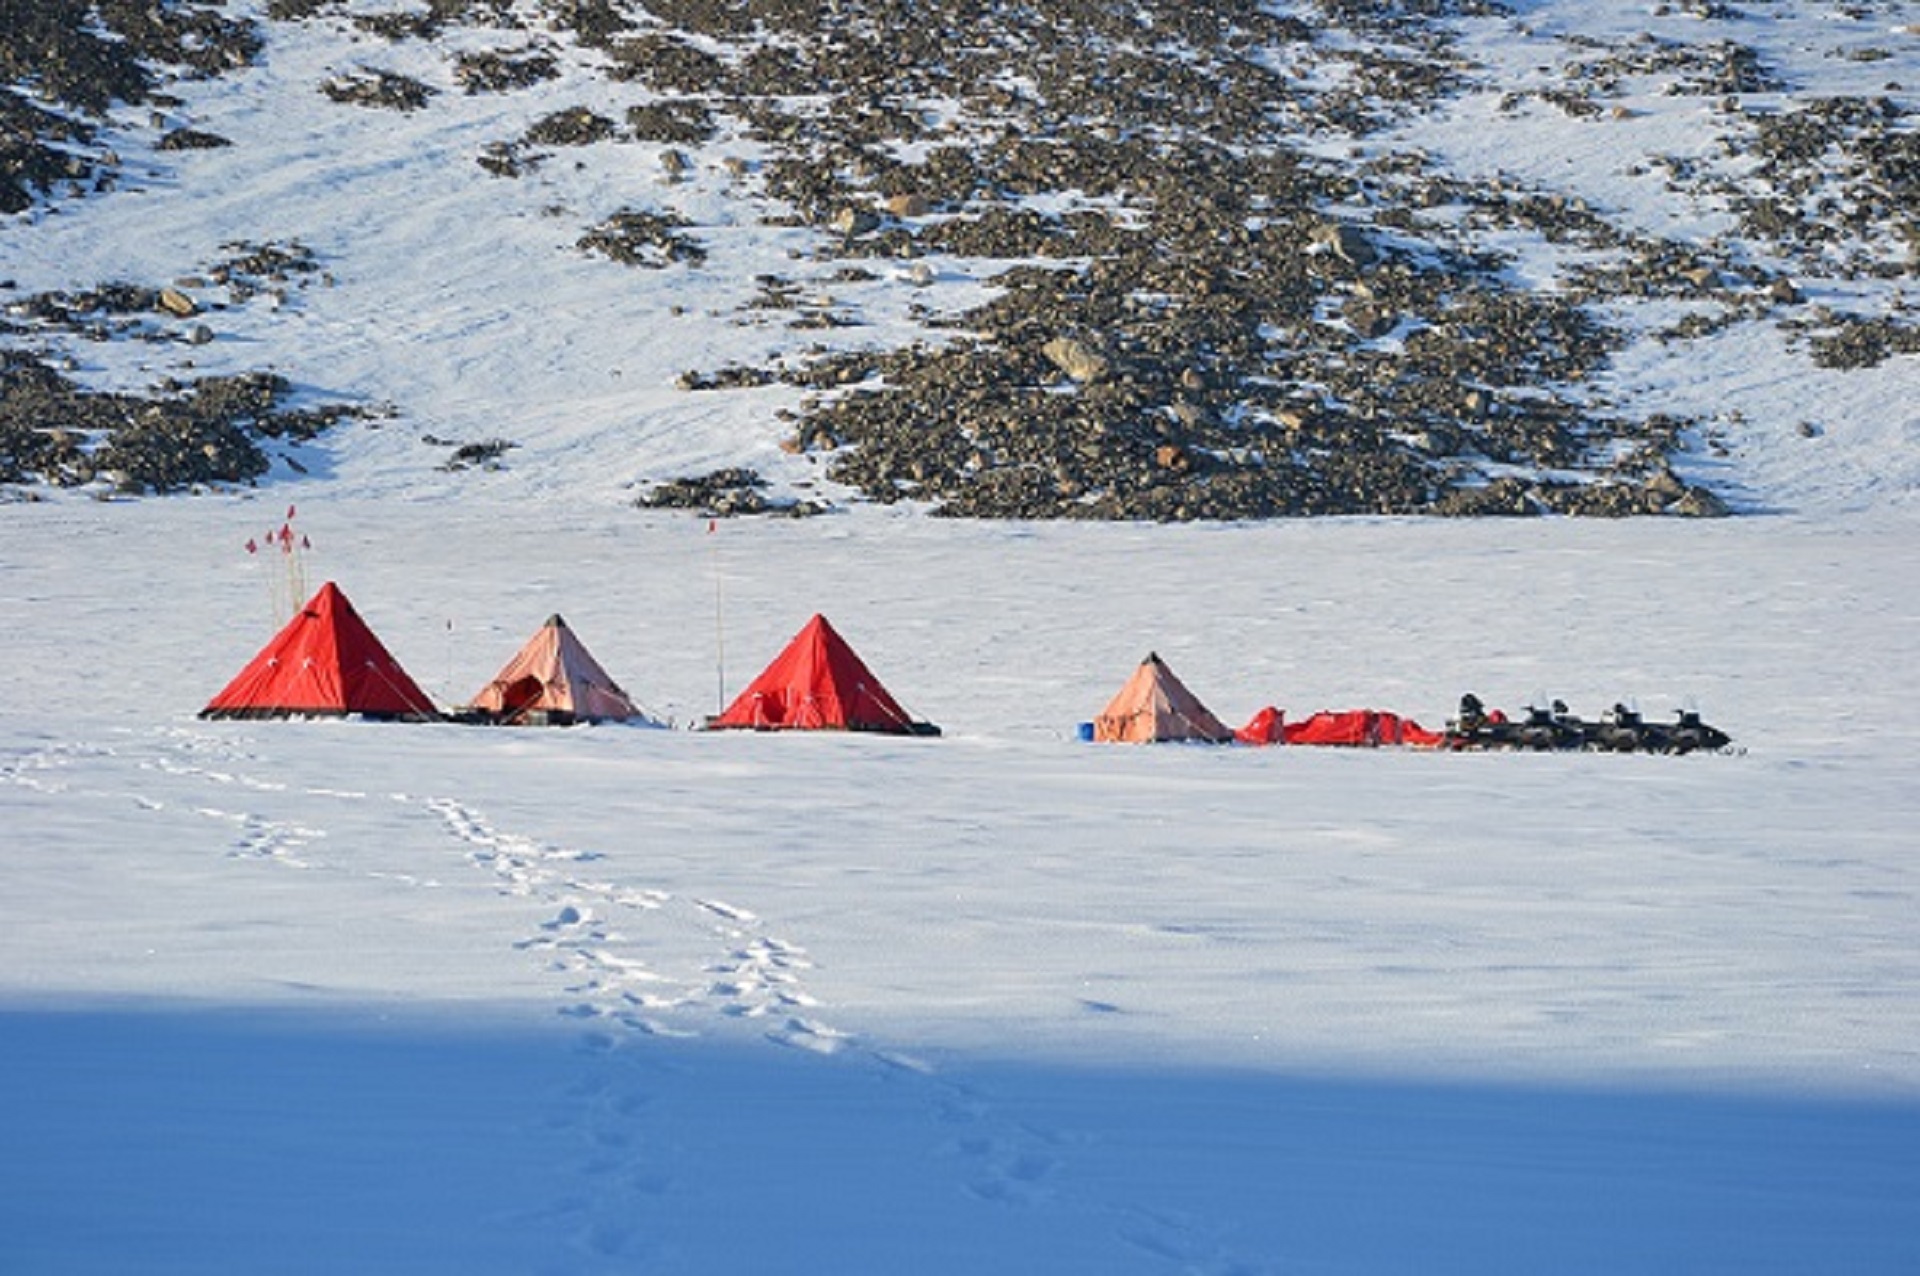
{"type": "Point", "coordinates": [1698, 502]}
{"type": "Point", "coordinates": [575, 126]}
{"type": "Point", "coordinates": [188, 434]}
{"type": "Point", "coordinates": [727, 493]}
{"type": "Point", "coordinates": [1368, 318]}
{"type": "Point", "coordinates": [386, 90]}
{"type": "Point", "coordinates": [175, 302]}
{"type": "Point", "coordinates": [649, 240]}
{"type": "Point", "coordinates": [854, 221]}
{"type": "Point", "coordinates": [679, 121]}
{"type": "Point", "coordinates": [1347, 242]}
{"type": "Point", "coordinates": [1078, 359]}
{"type": "Point", "coordinates": [731, 377]}
{"type": "Point", "coordinates": [1854, 342]}
{"type": "Point", "coordinates": [467, 456]}
{"type": "Point", "coordinates": [1194, 284]}
{"type": "Point", "coordinates": [495, 72]}
{"type": "Point", "coordinates": [187, 139]}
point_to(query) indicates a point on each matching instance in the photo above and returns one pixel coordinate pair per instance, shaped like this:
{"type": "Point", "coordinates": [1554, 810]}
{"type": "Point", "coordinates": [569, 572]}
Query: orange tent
{"type": "Point", "coordinates": [819, 683]}
{"type": "Point", "coordinates": [554, 681]}
{"type": "Point", "coordinates": [325, 662]}
{"type": "Point", "coordinates": [1155, 706]}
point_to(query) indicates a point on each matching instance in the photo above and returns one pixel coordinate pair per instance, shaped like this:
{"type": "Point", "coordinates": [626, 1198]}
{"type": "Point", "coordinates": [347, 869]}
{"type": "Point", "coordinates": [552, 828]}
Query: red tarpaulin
{"type": "Point", "coordinates": [1348, 727]}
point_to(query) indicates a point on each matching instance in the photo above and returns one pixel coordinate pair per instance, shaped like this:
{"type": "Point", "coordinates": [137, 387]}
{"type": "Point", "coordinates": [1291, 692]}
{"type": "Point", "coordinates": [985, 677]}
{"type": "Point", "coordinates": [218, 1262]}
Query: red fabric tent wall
{"type": "Point", "coordinates": [325, 661]}
{"type": "Point", "coordinates": [818, 683]}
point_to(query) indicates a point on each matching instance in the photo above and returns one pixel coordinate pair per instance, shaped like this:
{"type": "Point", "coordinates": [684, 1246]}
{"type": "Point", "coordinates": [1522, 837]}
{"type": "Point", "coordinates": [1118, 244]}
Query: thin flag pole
{"type": "Point", "coordinates": [719, 619]}
{"type": "Point", "coordinates": [292, 561]}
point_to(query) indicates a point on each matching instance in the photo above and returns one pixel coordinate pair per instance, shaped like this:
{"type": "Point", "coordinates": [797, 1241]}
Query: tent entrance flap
{"type": "Point", "coordinates": [521, 695]}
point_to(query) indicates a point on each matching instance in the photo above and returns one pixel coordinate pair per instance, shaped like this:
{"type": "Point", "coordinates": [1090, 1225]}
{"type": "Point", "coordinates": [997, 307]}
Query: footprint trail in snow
{"type": "Point", "coordinates": [631, 963]}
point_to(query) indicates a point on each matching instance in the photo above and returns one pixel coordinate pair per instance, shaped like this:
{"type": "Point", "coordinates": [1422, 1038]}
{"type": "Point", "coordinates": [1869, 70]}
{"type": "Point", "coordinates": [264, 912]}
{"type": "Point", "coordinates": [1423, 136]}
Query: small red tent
{"type": "Point", "coordinates": [819, 683]}
{"type": "Point", "coordinates": [325, 662]}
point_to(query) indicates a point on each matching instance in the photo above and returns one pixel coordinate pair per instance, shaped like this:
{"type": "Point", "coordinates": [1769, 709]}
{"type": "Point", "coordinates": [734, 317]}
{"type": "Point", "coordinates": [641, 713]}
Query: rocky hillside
{"type": "Point", "coordinates": [1226, 278]}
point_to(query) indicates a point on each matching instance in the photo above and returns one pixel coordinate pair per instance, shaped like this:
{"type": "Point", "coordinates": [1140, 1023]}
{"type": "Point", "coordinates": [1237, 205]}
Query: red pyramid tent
{"type": "Point", "coordinates": [554, 680]}
{"type": "Point", "coordinates": [819, 683]}
{"type": "Point", "coordinates": [1154, 707]}
{"type": "Point", "coordinates": [324, 662]}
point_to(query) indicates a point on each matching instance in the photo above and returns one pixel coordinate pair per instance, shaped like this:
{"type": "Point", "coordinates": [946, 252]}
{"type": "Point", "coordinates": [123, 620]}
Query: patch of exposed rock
{"type": "Point", "coordinates": [728, 493]}
{"type": "Point", "coordinates": [636, 237]}
{"type": "Point", "coordinates": [179, 435]}
{"type": "Point", "coordinates": [64, 63]}
{"type": "Point", "coordinates": [1201, 311]}
{"type": "Point", "coordinates": [196, 433]}
{"type": "Point", "coordinates": [373, 87]}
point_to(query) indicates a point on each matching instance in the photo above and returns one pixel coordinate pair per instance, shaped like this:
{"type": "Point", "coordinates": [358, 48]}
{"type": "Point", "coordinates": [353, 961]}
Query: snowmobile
{"type": "Point", "coordinates": [1479, 728]}
{"type": "Point", "coordinates": [1554, 727]}
{"type": "Point", "coordinates": [1685, 735]}
{"type": "Point", "coordinates": [1620, 730]}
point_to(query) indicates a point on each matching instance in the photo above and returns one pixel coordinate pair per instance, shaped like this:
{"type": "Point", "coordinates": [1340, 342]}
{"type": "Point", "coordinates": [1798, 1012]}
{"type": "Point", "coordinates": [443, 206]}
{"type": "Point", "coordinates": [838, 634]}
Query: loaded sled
{"type": "Point", "coordinates": [1556, 728]}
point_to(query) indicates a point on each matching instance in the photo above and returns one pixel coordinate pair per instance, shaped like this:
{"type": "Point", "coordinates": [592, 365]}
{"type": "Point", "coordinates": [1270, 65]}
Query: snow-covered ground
{"type": "Point", "coordinates": [303, 996]}
{"type": "Point", "coordinates": [329, 996]}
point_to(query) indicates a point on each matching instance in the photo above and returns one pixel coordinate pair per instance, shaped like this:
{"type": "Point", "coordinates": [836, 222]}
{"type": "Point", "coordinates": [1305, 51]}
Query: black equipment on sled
{"type": "Point", "coordinates": [1556, 728]}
